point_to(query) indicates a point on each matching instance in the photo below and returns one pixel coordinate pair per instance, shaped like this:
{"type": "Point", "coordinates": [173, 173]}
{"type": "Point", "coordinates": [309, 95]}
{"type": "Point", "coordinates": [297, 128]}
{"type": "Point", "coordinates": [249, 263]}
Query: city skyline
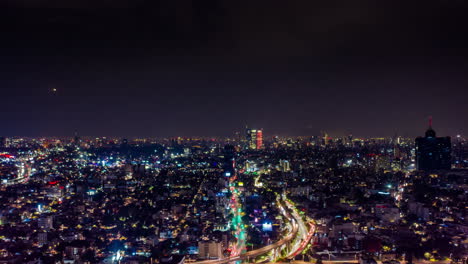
{"type": "Point", "coordinates": [336, 133]}
{"type": "Point", "coordinates": [246, 132]}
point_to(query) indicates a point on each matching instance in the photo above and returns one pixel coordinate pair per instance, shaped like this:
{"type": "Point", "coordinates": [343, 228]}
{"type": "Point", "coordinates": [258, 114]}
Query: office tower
{"type": "Point", "coordinates": [259, 139]}
{"type": "Point", "coordinates": [254, 138]}
{"type": "Point", "coordinates": [229, 160]}
{"type": "Point", "coordinates": [325, 138]}
{"type": "Point", "coordinates": [460, 151]}
{"type": "Point", "coordinates": [251, 138]}
{"type": "Point", "coordinates": [2, 142]}
{"type": "Point", "coordinates": [433, 153]}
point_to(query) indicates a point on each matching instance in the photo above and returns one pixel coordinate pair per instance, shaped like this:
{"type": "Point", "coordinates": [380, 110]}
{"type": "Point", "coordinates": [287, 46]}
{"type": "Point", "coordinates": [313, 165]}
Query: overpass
{"type": "Point", "coordinates": [263, 250]}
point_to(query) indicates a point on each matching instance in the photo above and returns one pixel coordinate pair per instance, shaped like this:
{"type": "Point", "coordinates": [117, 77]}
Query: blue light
{"type": "Point", "coordinates": [267, 227]}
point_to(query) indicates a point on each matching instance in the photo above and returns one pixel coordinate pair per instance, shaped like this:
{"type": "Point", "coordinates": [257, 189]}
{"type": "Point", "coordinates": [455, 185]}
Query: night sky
{"type": "Point", "coordinates": [208, 68]}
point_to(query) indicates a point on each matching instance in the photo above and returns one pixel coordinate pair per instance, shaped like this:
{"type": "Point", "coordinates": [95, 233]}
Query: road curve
{"type": "Point", "coordinates": [260, 251]}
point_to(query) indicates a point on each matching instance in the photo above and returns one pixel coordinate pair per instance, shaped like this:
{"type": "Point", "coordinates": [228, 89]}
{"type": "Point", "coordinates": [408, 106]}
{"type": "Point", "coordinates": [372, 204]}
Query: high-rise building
{"type": "Point", "coordinates": [433, 153]}
{"type": "Point", "coordinates": [229, 160]}
{"type": "Point", "coordinates": [326, 139]}
{"type": "Point", "coordinates": [259, 139]}
{"type": "Point", "coordinates": [251, 137]}
{"type": "Point", "coordinates": [460, 151]}
{"type": "Point", "coordinates": [254, 138]}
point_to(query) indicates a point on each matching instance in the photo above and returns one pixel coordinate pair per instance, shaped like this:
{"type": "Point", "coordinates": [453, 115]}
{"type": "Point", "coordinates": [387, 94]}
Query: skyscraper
{"type": "Point", "coordinates": [259, 142]}
{"type": "Point", "coordinates": [433, 153]}
{"type": "Point", "coordinates": [254, 138]}
{"type": "Point", "coordinates": [229, 160]}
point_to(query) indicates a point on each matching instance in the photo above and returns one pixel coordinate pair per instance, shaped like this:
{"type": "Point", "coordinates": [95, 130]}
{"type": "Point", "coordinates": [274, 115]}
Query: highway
{"type": "Point", "coordinates": [357, 261]}
{"type": "Point", "coordinates": [303, 243]}
{"type": "Point", "coordinates": [304, 234]}
{"type": "Point", "coordinates": [24, 172]}
{"type": "Point", "coordinates": [263, 250]}
{"type": "Point", "coordinates": [324, 262]}
{"type": "Point", "coordinates": [237, 225]}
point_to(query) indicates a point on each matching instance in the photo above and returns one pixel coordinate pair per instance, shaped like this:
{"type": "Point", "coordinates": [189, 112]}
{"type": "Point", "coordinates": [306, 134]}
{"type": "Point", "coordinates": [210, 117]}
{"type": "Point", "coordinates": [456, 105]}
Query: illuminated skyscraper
{"type": "Point", "coordinates": [325, 138]}
{"type": "Point", "coordinates": [433, 153]}
{"type": "Point", "coordinates": [259, 139]}
{"type": "Point", "coordinates": [254, 138]}
{"type": "Point", "coordinates": [251, 138]}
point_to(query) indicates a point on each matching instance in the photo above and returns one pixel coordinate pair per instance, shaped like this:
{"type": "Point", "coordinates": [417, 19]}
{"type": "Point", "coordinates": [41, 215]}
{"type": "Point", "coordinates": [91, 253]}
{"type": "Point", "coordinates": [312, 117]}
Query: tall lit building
{"type": "Point", "coordinates": [325, 138]}
{"type": "Point", "coordinates": [433, 153]}
{"type": "Point", "coordinates": [251, 137]}
{"type": "Point", "coordinates": [254, 138]}
{"type": "Point", "coordinates": [259, 139]}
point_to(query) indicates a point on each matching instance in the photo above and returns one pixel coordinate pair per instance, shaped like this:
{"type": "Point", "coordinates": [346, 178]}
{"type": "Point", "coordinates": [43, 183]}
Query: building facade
{"type": "Point", "coordinates": [433, 153]}
{"type": "Point", "coordinates": [254, 138]}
